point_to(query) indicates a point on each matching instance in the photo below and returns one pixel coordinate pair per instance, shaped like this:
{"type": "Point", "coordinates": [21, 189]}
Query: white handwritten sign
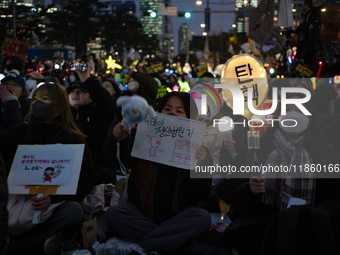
{"type": "Point", "coordinates": [169, 140]}
{"type": "Point", "coordinates": [56, 164]}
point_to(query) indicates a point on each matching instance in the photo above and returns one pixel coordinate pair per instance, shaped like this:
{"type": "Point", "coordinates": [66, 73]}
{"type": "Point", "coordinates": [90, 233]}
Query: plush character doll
{"type": "Point", "coordinates": [134, 109]}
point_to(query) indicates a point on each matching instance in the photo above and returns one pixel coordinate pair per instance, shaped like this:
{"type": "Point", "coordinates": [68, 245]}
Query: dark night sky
{"type": "Point", "coordinates": [219, 22]}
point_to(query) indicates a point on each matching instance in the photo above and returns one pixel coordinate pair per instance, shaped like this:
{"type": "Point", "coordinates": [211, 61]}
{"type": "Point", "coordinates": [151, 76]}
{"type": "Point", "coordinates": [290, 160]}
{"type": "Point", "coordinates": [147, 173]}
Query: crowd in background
{"type": "Point", "coordinates": [166, 209]}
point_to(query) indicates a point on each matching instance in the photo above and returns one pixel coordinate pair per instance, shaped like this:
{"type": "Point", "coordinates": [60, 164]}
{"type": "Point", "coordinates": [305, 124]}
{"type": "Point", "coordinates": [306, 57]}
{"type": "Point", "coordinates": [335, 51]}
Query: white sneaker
{"type": "Point", "coordinates": [117, 246]}
{"type": "Point", "coordinates": [52, 244]}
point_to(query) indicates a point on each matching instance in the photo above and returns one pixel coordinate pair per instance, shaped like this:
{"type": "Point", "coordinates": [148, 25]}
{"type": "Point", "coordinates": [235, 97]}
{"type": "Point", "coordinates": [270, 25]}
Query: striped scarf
{"type": "Point", "coordinates": [280, 187]}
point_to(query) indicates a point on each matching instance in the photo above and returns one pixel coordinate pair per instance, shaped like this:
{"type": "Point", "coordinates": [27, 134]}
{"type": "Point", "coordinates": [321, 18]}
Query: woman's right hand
{"type": "Point", "coordinates": [256, 185]}
{"type": "Point", "coordinates": [119, 133]}
{"type": "Point", "coordinates": [228, 145]}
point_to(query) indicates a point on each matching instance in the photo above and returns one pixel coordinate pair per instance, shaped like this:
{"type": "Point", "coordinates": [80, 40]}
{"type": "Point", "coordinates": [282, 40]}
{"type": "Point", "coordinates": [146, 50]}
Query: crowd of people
{"type": "Point", "coordinates": [166, 211]}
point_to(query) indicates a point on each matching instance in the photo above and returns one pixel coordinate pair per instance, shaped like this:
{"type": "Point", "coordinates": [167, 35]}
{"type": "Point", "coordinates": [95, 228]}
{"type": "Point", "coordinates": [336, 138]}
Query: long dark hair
{"type": "Point", "coordinates": [190, 107]}
{"type": "Point", "coordinates": [59, 97]}
{"type": "Point", "coordinates": [115, 87]}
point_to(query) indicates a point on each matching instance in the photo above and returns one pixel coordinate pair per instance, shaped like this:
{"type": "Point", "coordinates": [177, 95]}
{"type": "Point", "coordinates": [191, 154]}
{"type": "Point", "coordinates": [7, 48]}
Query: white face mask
{"type": "Point", "coordinates": [133, 86]}
{"type": "Point", "coordinates": [31, 83]}
{"type": "Point", "coordinates": [72, 78]}
{"type": "Point", "coordinates": [302, 123]}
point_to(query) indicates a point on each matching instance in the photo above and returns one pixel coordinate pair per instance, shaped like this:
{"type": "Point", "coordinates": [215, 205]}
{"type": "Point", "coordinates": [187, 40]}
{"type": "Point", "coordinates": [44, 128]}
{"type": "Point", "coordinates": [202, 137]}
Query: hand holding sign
{"type": "Point", "coordinates": [226, 125]}
{"type": "Point", "coordinates": [41, 203]}
{"type": "Point", "coordinates": [229, 146]}
{"type": "Point", "coordinates": [201, 153]}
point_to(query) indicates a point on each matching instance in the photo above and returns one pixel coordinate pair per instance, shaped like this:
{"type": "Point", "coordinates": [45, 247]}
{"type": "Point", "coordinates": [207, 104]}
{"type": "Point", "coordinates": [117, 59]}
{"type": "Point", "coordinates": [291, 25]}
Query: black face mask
{"type": "Point", "coordinates": [41, 110]}
{"type": "Point", "coordinates": [172, 114]}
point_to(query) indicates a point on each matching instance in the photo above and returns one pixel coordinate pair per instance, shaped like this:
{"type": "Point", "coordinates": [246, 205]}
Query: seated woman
{"type": "Point", "coordinates": [51, 122]}
{"type": "Point", "coordinates": [161, 213]}
{"type": "Point", "coordinates": [266, 195]}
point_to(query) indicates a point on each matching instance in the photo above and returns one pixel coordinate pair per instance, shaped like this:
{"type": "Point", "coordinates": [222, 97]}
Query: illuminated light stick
{"type": "Point", "coordinates": [225, 125]}
{"type": "Point", "coordinates": [313, 79]}
{"type": "Point", "coordinates": [111, 63]}
{"type": "Point", "coordinates": [319, 71]}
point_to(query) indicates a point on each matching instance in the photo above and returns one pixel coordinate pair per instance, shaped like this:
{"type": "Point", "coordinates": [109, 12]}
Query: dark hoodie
{"type": "Point", "coordinates": [94, 120]}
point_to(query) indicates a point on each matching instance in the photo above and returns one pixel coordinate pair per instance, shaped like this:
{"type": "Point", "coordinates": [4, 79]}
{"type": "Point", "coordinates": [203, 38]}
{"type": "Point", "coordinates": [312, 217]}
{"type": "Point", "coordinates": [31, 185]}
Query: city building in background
{"type": "Point", "coordinates": [166, 39]}
{"type": "Point", "coordinates": [242, 19]}
{"type": "Point", "coordinates": [152, 26]}
{"type": "Point", "coordinates": [159, 26]}
{"type": "Point", "coordinates": [184, 38]}
{"type": "Point", "coordinates": [8, 3]}
{"type": "Point", "coordinates": [263, 25]}
{"type": "Point", "coordinates": [297, 10]}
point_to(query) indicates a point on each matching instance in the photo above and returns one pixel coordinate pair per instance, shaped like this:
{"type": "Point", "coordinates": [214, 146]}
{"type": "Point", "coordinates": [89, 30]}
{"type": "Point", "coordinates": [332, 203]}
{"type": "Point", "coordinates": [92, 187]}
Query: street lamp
{"type": "Point", "coordinates": [202, 25]}
{"type": "Point", "coordinates": [207, 16]}
{"type": "Point", "coordinates": [204, 33]}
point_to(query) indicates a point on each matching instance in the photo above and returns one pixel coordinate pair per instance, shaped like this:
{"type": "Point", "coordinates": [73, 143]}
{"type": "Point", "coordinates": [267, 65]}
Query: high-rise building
{"type": "Point", "coordinates": [264, 23]}
{"type": "Point", "coordinates": [184, 36]}
{"type": "Point", "coordinates": [297, 10]}
{"type": "Point", "coordinates": [159, 26]}
{"type": "Point", "coordinates": [241, 20]}
{"type": "Point", "coordinates": [7, 3]}
{"type": "Point", "coordinates": [114, 5]}
{"type": "Point", "coordinates": [152, 26]}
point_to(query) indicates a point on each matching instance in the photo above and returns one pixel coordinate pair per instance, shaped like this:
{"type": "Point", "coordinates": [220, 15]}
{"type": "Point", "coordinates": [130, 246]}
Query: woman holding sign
{"type": "Point", "coordinates": [161, 213]}
{"type": "Point", "coordinates": [295, 152]}
{"type": "Point", "coordinates": [51, 122]}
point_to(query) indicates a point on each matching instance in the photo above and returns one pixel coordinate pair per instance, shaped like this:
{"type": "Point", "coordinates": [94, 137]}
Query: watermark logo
{"type": "Point", "coordinates": [239, 99]}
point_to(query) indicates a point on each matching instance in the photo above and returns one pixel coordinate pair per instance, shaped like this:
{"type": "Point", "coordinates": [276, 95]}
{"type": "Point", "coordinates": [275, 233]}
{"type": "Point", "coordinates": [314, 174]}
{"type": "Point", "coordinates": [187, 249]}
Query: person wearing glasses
{"type": "Point", "coordinates": [14, 104]}
{"type": "Point", "coordinates": [50, 122]}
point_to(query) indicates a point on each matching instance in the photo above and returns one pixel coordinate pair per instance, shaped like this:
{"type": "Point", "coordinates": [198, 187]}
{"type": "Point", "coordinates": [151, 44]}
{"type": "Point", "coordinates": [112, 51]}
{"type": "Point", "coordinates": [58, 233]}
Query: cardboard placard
{"type": "Point", "coordinates": [304, 70]}
{"type": "Point", "coordinates": [15, 47]}
{"type": "Point", "coordinates": [46, 169]}
{"type": "Point", "coordinates": [202, 70]}
{"type": "Point", "coordinates": [154, 68]}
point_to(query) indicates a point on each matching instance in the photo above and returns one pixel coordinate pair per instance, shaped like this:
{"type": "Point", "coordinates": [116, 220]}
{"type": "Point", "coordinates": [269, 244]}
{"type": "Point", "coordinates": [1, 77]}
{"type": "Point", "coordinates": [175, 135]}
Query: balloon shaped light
{"type": "Point", "coordinates": [245, 71]}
